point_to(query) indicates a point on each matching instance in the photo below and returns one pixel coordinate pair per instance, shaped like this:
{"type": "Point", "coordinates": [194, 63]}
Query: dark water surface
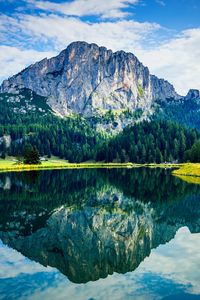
{"type": "Point", "coordinates": [99, 234]}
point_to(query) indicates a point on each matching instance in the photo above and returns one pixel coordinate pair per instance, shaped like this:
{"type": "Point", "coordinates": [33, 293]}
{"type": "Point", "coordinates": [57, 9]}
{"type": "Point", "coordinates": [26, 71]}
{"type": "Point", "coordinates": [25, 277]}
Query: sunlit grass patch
{"type": "Point", "coordinates": [56, 163]}
{"type": "Point", "coordinates": [188, 169]}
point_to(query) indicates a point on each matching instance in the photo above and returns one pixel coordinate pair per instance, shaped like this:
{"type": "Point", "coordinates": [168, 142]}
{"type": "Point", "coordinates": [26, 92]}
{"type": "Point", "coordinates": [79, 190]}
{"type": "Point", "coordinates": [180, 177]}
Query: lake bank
{"type": "Point", "coordinates": [185, 169]}
{"type": "Point", "coordinates": [189, 172]}
{"type": "Point", "coordinates": [9, 165]}
{"type": "Point", "coordinates": [188, 169]}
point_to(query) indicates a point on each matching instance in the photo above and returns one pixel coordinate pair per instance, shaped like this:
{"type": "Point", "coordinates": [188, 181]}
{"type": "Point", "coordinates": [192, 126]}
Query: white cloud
{"type": "Point", "coordinates": [57, 32]}
{"type": "Point", "coordinates": [13, 60]}
{"type": "Point", "coordinates": [161, 2]}
{"type": "Point", "coordinates": [61, 31]}
{"type": "Point", "coordinates": [177, 60]}
{"type": "Point", "coordinates": [177, 260]}
{"type": "Point", "coordinates": [103, 8]}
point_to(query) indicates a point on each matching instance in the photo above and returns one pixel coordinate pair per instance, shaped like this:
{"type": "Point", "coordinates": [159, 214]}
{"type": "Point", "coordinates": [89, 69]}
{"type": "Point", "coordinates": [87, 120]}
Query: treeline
{"type": "Point", "coordinates": [185, 112]}
{"type": "Point", "coordinates": [74, 139]}
{"type": "Point", "coordinates": [149, 142]}
{"type": "Point", "coordinates": [70, 138]}
{"type": "Point", "coordinates": [193, 155]}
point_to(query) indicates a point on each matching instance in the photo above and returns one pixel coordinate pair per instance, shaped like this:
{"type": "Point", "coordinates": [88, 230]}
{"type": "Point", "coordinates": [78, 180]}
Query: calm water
{"type": "Point", "coordinates": [99, 234]}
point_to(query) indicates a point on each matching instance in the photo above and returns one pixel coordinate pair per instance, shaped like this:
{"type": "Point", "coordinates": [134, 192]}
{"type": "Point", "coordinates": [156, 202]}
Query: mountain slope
{"type": "Point", "coordinates": [185, 110]}
{"type": "Point", "coordinates": [113, 92]}
{"type": "Point", "coordinates": [22, 102]}
{"type": "Point", "coordinates": [84, 78]}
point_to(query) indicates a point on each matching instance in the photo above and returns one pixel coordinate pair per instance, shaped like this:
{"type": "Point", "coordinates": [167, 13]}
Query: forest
{"type": "Point", "coordinates": [185, 112]}
{"type": "Point", "coordinates": [74, 139]}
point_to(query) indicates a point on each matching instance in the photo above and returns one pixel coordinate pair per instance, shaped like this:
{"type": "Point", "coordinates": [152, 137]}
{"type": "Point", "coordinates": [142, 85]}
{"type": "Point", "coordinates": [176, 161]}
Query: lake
{"type": "Point", "coordinates": [99, 234]}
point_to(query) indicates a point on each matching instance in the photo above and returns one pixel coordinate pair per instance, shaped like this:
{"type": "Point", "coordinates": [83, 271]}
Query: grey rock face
{"type": "Point", "coordinates": [192, 94]}
{"type": "Point", "coordinates": [85, 77]}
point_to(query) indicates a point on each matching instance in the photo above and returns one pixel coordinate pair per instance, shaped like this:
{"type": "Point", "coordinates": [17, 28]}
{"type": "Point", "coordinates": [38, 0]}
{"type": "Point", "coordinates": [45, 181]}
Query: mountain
{"type": "Point", "coordinates": [105, 96]}
{"type": "Point", "coordinates": [185, 110]}
{"type": "Point", "coordinates": [23, 101]}
{"type": "Point", "coordinates": [193, 95]}
{"type": "Point", "coordinates": [85, 78]}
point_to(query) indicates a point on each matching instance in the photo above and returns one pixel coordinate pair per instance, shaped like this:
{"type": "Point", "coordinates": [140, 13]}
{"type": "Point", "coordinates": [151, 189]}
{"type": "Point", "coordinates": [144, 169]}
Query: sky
{"type": "Point", "coordinates": [163, 34]}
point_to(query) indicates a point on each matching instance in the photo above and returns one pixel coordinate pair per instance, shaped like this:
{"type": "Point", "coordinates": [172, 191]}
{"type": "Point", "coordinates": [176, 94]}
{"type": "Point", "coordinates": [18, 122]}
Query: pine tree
{"type": "Point", "coordinates": [31, 156]}
{"type": "Point", "coordinates": [3, 149]}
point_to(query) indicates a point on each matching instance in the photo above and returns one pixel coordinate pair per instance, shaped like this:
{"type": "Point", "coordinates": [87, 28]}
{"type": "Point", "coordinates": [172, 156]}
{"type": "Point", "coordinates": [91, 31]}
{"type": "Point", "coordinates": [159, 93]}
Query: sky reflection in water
{"type": "Point", "coordinates": [170, 272]}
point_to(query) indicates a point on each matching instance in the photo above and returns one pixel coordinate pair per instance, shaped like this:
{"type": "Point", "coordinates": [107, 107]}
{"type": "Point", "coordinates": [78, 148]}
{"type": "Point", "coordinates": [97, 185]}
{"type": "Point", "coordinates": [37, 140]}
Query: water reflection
{"type": "Point", "coordinates": [92, 223]}
{"type": "Point", "coordinates": [171, 272]}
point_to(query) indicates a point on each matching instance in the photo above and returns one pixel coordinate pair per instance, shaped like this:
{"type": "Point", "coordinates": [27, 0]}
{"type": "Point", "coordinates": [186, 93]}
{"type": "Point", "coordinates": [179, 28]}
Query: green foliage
{"type": "Point", "coordinates": [3, 149]}
{"type": "Point", "coordinates": [135, 115]}
{"type": "Point", "coordinates": [112, 117]}
{"type": "Point", "coordinates": [31, 156]}
{"type": "Point", "coordinates": [141, 91]}
{"type": "Point", "coordinates": [71, 138]}
{"type": "Point", "coordinates": [186, 112]}
{"type": "Point", "coordinates": [74, 138]}
{"type": "Point", "coordinates": [149, 142]}
{"type": "Point", "coordinates": [15, 107]}
{"type": "Point", "coordinates": [193, 155]}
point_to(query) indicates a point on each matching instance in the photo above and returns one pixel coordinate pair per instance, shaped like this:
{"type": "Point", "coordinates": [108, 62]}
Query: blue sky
{"type": "Point", "coordinates": [172, 14]}
{"type": "Point", "coordinates": [164, 34]}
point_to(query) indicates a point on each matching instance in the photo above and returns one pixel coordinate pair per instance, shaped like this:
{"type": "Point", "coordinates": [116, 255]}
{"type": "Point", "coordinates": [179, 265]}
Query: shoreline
{"type": "Point", "coordinates": [188, 169]}
{"type": "Point", "coordinates": [188, 172]}
{"type": "Point", "coordinates": [11, 166]}
{"type": "Point", "coordinates": [180, 170]}
{"type": "Point", "coordinates": [21, 168]}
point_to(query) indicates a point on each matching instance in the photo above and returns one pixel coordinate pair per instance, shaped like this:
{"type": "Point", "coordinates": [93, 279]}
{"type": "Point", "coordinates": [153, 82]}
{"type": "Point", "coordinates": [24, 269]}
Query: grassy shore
{"type": "Point", "coordinates": [180, 170]}
{"type": "Point", "coordinates": [9, 165]}
{"type": "Point", "coordinates": [188, 169]}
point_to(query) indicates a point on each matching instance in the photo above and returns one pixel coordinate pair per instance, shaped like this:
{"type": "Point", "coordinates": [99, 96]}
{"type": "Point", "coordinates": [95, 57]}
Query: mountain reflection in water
{"type": "Point", "coordinates": [91, 223]}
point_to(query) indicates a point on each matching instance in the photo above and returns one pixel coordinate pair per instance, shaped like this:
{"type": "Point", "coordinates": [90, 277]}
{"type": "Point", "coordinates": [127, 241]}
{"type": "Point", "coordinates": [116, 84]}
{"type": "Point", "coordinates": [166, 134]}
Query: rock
{"type": "Point", "coordinates": [6, 139]}
{"type": "Point", "coordinates": [85, 77]}
{"type": "Point", "coordinates": [192, 94]}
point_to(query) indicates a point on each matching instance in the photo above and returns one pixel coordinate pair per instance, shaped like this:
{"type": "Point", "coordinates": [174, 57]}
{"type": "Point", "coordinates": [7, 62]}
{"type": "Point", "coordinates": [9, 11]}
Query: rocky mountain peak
{"type": "Point", "coordinates": [84, 78]}
{"type": "Point", "coordinates": [193, 94]}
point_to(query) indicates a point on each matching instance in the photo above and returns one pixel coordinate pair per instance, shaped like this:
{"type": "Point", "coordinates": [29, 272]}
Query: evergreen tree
{"type": "Point", "coordinates": [31, 156]}
{"type": "Point", "coordinates": [3, 149]}
{"type": "Point", "coordinates": [193, 155]}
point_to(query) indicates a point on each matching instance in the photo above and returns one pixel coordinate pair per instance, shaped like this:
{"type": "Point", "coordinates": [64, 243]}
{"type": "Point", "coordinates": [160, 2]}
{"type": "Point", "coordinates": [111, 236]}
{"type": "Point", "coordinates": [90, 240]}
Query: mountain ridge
{"type": "Point", "coordinates": [85, 78]}
{"type": "Point", "coordinates": [105, 121]}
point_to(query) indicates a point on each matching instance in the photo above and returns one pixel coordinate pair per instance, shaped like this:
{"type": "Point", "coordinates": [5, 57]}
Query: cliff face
{"type": "Point", "coordinates": [85, 77]}
{"type": "Point", "coordinates": [193, 94]}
